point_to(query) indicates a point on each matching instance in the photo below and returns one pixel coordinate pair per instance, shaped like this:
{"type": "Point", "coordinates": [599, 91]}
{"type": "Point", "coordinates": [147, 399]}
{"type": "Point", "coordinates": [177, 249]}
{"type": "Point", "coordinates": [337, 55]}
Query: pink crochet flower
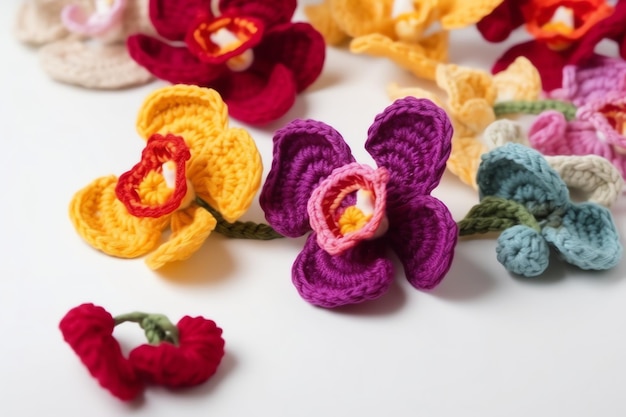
{"type": "Point", "coordinates": [599, 129]}
{"type": "Point", "coordinates": [106, 16]}
{"type": "Point", "coordinates": [355, 212]}
{"type": "Point", "coordinates": [565, 32]}
{"type": "Point", "coordinates": [597, 77]}
{"type": "Point", "coordinates": [251, 53]}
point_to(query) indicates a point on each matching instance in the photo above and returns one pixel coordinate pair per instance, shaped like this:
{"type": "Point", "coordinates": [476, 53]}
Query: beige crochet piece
{"type": "Point", "coordinates": [39, 21]}
{"type": "Point", "coordinates": [97, 66]}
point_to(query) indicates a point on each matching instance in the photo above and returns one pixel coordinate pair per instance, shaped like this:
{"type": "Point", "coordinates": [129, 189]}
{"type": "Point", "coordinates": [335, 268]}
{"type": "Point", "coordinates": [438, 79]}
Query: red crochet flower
{"type": "Point", "coordinates": [251, 53]}
{"type": "Point", "coordinates": [178, 356]}
{"type": "Point", "coordinates": [88, 329]}
{"type": "Point", "coordinates": [565, 32]}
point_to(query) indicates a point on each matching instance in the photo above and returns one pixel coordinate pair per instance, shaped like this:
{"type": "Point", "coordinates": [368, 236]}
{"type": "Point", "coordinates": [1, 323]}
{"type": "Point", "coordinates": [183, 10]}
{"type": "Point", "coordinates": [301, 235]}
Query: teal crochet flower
{"type": "Point", "coordinates": [525, 199]}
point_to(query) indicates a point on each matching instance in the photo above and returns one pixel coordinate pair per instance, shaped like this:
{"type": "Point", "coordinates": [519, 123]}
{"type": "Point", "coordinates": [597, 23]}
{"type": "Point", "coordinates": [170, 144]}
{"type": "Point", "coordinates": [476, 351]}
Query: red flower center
{"type": "Point", "coordinates": [225, 39]}
{"type": "Point", "coordinates": [559, 23]}
{"type": "Point", "coordinates": [159, 152]}
{"type": "Point", "coordinates": [615, 114]}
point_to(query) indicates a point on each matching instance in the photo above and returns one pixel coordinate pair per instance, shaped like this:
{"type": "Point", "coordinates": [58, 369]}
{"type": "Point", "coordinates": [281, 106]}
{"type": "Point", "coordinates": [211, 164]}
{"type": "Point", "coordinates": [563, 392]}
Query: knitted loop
{"type": "Point", "coordinates": [495, 214]}
{"type": "Point", "coordinates": [158, 328]}
{"type": "Point", "coordinates": [158, 151]}
{"type": "Point", "coordinates": [504, 108]}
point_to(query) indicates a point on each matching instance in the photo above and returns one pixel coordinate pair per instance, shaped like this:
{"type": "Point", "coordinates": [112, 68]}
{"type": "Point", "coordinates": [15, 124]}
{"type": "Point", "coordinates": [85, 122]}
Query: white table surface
{"type": "Point", "coordinates": [484, 343]}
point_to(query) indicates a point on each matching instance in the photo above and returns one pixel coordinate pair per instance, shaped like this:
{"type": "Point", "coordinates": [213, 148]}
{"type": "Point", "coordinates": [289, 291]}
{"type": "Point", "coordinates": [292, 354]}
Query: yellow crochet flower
{"type": "Point", "coordinates": [398, 29]}
{"type": "Point", "coordinates": [471, 95]}
{"type": "Point", "coordinates": [191, 156]}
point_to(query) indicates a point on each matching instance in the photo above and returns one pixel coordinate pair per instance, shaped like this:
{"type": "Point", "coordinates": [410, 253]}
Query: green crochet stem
{"type": "Point", "coordinates": [157, 327]}
{"type": "Point", "coordinates": [495, 214]}
{"type": "Point", "coordinates": [240, 230]}
{"type": "Point", "coordinates": [534, 107]}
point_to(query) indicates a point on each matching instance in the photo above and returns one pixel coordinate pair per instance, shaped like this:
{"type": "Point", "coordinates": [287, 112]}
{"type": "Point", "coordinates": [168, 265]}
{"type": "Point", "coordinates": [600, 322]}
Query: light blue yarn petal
{"type": "Point", "coordinates": [519, 173]}
{"type": "Point", "coordinates": [587, 237]}
{"type": "Point", "coordinates": [523, 251]}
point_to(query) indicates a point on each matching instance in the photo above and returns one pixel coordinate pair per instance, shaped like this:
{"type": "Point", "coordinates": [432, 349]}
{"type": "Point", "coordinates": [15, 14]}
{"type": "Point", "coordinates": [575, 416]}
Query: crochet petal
{"type": "Point", "coordinates": [172, 18]}
{"type": "Point", "coordinates": [471, 94]}
{"type": "Point", "coordinates": [257, 97]}
{"type": "Point", "coordinates": [39, 22]}
{"type": "Point", "coordinates": [227, 173]}
{"type": "Point", "coordinates": [549, 63]}
{"type": "Point", "coordinates": [79, 20]}
{"type": "Point", "coordinates": [465, 158]}
{"type": "Point", "coordinates": [420, 58]}
{"type": "Point", "coordinates": [412, 139]}
{"type": "Point", "coordinates": [320, 16]}
{"type": "Point", "coordinates": [103, 221]}
{"type": "Point", "coordinates": [305, 152]}
{"type": "Point", "coordinates": [359, 274]}
{"type": "Point", "coordinates": [498, 25]}
{"type": "Point", "coordinates": [107, 66]}
{"type": "Point", "coordinates": [362, 17]}
{"type": "Point", "coordinates": [298, 47]}
{"type": "Point", "coordinates": [520, 81]}
{"type": "Point", "coordinates": [190, 228]}
{"type": "Point", "coordinates": [423, 234]}
{"type": "Point", "coordinates": [519, 173]}
{"type": "Point", "coordinates": [271, 12]}
{"type": "Point", "coordinates": [522, 250]}
{"type": "Point", "coordinates": [458, 14]}
{"type": "Point", "coordinates": [171, 63]}
{"type": "Point", "coordinates": [197, 114]}
{"type": "Point", "coordinates": [587, 237]}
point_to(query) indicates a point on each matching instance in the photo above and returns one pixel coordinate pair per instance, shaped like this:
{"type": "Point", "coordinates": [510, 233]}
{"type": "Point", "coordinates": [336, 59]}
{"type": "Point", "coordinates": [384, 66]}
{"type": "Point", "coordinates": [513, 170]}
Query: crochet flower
{"type": "Point", "coordinates": [355, 212]}
{"type": "Point", "coordinates": [598, 129]}
{"type": "Point", "coordinates": [409, 44]}
{"type": "Point", "coordinates": [192, 160]}
{"type": "Point", "coordinates": [251, 52]}
{"type": "Point", "coordinates": [525, 199]}
{"type": "Point", "coordinates": [592, 176]}
{"type": "Point", "coordinates": [89, 50]}
{"type": "Point", "coordinates": [185, 354]}
{"type": "Point", "coordinates": [471, 96]}
{"type": "Point", "coordinates": [564, 32]}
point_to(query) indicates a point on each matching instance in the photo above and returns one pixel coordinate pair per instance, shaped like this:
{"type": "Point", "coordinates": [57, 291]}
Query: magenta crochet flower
{"type": "Point", "coordinates": [355, 212]}
{"type": "Point", "coordinates": [251, 52]}
{"type": "Point", "coordinates": [599, 129]}
{"type": "Point", "coordinates": [564, 32]}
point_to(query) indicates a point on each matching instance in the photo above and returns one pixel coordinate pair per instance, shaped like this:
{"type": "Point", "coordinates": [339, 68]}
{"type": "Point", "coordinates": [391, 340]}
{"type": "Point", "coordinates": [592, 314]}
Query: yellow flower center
{"type": "Point", "coordinates": [561, 23]}
{"type": "Point", "coordinates": [353, 219]}
{"type": "Point", "coordinates": [153, 190]}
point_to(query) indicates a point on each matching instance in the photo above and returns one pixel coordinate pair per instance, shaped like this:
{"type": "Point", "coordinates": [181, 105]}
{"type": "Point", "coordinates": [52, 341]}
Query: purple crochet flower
{"type": "Point", "coordinates": [598, 77]}
{"type": "Point", "coordinates": [598, 129]}
{"type": "Point", "coordinates": [355, 212]}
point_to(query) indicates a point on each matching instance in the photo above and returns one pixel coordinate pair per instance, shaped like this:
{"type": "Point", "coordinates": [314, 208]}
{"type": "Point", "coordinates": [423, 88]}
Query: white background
{"type": "Point", "coordinates": [484, 343]}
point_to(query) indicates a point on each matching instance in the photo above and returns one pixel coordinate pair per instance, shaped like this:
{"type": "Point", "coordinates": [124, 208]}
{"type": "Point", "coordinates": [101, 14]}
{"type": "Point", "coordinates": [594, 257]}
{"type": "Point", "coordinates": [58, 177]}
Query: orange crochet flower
{"type": "Point", "coordinates": [191, 156]}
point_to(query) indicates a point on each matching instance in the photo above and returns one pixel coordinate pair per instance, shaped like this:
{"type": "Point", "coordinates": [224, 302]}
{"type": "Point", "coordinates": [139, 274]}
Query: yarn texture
{"type": "Point", "coordinates": [181, 355]}
{"type": "Point", "coordinates": [526, 188]}
{"type": "Point", "coordinates": [471, 97]}
{"type": "Point", "coordinates": [564, 33]}
{"type": "Point", "coordinates": [353, 212]}
{"type": "Point", "coordinates": [256, 58]}
{"type": "Point", "coordinates": [191, 154]}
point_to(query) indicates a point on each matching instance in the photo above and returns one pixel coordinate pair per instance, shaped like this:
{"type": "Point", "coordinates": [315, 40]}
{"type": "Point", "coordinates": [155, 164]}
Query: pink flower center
{"type": "Point", "coordinates": [225, 39]}
{"type": "Point", "coordinates": [348, 207]}
{"type": "Point", "coordinates": [157, 185]}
